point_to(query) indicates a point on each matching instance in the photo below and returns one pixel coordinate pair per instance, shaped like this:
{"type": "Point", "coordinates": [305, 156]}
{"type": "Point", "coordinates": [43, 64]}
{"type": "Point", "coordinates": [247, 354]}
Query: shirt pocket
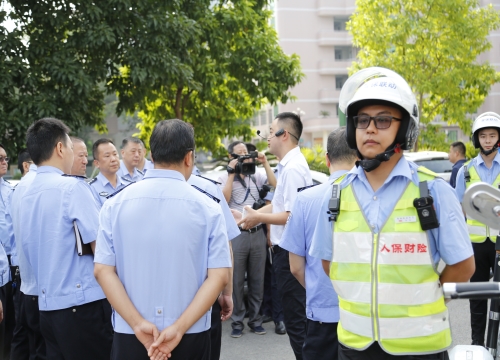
{"type": "Point", "coordinates": [347, 225]}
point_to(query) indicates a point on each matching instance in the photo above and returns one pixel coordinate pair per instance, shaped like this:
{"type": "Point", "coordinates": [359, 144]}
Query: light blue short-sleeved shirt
{"type": "Point", "coordinates": [4, 267]}
{"type": "Point", "coordinates": [48, 209]}
{"type": "Point", "coordinates": [28, 283]}
{"type": "Point", "coordinates": [123, 173]}
{"type": "Point", "coordinates": [322, 302]}
{"type": "Point", "coordinates": [214, 190]}
{"type": "Point", "coordinates": [101, 187]}
{"type": "Point", "coordinates": [449, 241]}
{"type": "Point", "coordinates": [486, 175]}
{"type": "Point", "coordinates": [6, 228]}
{"type": "Point", "coordinates": [162, 235]}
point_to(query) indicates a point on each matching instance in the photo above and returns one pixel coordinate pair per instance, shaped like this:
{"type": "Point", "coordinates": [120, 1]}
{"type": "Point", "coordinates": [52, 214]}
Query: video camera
{"type": "Point", "coordinates": [245, 168]}
{"type": "Point", "coordinates": [262, 194]}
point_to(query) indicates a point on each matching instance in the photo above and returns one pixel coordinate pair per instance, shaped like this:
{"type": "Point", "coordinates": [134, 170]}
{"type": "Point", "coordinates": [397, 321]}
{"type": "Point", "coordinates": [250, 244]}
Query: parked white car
{"type": "Point", "coordinates": [436, 161]}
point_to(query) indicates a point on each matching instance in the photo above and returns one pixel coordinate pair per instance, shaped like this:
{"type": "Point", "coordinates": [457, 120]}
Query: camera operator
{"type": "Point", "coordinates": [242, 185]}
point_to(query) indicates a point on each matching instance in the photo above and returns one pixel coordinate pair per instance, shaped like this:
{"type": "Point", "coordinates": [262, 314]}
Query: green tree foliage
{"type": "Point", "coordinates": [315, 158]}
{"type": "Point", "coordinates": [434, 45]}
{"type": "Point", "coordinates": [232, 66]}
{"type": "Point", "coordinates": [63, 57]}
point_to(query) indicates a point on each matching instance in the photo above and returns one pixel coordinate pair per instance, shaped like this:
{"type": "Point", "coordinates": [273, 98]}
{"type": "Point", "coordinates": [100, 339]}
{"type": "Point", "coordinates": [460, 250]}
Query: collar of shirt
{"type": "Point", "coordinates": [479, 159]}
{"type": "Point", "coordinates": [33, 167]}
{"type": "Point", "coordinates": [289, 155]}
{"type": "Point", "coordinates": [403, 168]}
{"type": "Point", "coordinates": [336, 174]}
{"type": "Point", "coordinates": [49, 169]}
{"type": "Point", "coordinates": [104, 181]}
{"type": "Point", "coordinates": [157, 173]}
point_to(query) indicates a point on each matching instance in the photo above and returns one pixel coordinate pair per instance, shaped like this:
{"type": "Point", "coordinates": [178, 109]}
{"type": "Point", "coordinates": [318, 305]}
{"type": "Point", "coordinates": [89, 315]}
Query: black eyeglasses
{"type": "Point", "coordinates": [381, 122]}
{"type": "Point", "coordinates": [2, 159]}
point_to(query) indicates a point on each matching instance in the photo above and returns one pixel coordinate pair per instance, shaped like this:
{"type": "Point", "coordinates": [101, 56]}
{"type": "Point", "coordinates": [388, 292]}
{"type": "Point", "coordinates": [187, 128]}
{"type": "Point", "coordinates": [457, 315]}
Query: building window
{"type": "Point", "coordinates": [270, 116]}
{"type": "Point", "coordinates": [339, 23]}
{"type": "Point", "coordinates": [343, 53]}
{"type": "Point", "coordinates": [263, 117]}
{"type": "Point", "coordinates": [339, 81]}
{"type": "Point", "coordinates": [452, 135]}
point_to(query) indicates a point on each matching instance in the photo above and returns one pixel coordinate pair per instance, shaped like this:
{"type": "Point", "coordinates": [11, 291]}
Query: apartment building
{"type": "Point", "coordinates": [316, 31]}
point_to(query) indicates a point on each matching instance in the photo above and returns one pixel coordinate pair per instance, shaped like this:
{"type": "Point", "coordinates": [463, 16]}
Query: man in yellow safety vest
{"type": "Point", "coordinates": [391, 223]}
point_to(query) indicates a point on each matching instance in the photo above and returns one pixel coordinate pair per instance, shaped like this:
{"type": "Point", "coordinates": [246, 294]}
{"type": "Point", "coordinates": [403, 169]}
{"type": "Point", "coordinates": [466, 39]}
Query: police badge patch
{"type": "Point", "coordinates": [103, 194]}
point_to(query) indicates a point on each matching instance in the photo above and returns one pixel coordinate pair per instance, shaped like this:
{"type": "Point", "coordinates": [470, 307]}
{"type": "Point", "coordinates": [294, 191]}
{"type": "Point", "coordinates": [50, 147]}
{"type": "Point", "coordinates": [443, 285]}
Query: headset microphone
{"type": "Point", "coordinates": [258, 134]}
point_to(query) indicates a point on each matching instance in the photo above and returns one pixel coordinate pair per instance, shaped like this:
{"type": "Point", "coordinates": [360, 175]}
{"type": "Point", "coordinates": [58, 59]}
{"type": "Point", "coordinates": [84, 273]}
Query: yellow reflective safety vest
{"type": "Point", "coordinates": [478, 232]}
{"type": "Point", "coordinates": [387, 283]}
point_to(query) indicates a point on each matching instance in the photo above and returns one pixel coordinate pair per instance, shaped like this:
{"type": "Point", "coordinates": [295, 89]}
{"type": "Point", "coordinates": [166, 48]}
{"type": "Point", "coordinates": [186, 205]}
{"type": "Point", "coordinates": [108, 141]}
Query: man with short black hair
{"type": "Point", "coordinates": [24, 162]}
{"type": "Point", "coordinates": [106, 159]}
{"type": "Point", "coordinates": [28, 340]}
{"type": "Point", "coordinates": [293, 173]}
{"type": "Point", "coordinates": [249, 248]}
{"type": "Point", "coordinates": [186, 229]}
{"type": "Point", "coordinates": [322, 306]}
{"type": "Point", "coordinates": [7, 250]}
{"type": "Point", "coordinates": [80, 159]}
{"type": "Point", "coordinates": [457, 158]}
{"type": "Point", "coordinates": [131, 151]}
{"type": "Point", "coordinates": [56, 210]}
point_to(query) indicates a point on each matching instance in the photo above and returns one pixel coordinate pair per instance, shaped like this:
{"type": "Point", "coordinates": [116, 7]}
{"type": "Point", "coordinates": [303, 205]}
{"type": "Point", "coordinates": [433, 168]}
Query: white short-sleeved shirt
{"type": "Point", "coordinates": [293, 173]}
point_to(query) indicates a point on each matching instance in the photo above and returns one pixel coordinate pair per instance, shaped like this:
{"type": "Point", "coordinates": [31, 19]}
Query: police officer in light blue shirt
{"type": "Point", "coordinates": [55, 211]}
{"type": "Point", "coordinates": [166, 243]}
{"type": "Point", "coordinates": [28, 340]}
{"type": "Point", "coordinates": [9, 246]}
{"type": "Point", "coordinates": [131, 152]}
{"type": "Point", "coordinates": [107, 182]}
{"type": "Point", "coordinates": [322, 307]}
{"type": "Point", "coordinates": [485, 167]}
{"type": "Point", "coordinates": [382, 120]}
{"type": "Point", "coordinates": [211, 187]}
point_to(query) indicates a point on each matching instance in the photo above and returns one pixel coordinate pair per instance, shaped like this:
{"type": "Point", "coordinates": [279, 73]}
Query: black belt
{"type": "Point", "coordinates": [252, 230]}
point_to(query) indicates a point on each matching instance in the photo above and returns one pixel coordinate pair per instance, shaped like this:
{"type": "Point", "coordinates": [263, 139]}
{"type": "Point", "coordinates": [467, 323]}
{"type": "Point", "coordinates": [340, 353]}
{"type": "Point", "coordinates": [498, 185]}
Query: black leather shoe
{"type": "Point", "coordinates": [266, 319]}
{"type": "Point", "coordinates": [477, 342]}
{"type": "Point", "coordinates": [280, 328]}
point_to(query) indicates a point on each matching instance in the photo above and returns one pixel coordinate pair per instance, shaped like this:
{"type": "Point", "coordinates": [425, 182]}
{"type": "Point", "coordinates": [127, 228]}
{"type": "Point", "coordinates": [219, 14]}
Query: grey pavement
{"type": "Point", "coordinates": [271, 346]}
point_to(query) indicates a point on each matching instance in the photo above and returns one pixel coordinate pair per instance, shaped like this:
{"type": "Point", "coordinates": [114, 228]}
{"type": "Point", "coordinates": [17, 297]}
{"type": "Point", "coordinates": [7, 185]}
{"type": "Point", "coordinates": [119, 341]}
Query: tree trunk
{"type": "Point", "coordinates": [178, 103]}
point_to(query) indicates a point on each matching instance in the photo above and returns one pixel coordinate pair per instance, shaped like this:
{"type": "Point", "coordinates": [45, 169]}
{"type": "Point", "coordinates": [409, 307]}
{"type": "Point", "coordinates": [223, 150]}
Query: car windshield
{"type": "Point", "coordinates": [436, 165]}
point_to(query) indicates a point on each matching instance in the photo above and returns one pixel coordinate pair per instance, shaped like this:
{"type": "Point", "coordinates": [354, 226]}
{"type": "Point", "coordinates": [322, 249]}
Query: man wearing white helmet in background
{"type": "Point", "coordinates": [392, 223]}
{"type": "Point", "coordinates": [484, 167]}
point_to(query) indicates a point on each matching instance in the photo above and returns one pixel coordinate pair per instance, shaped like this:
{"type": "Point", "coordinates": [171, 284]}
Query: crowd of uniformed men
{"type": "Point", "coordinates": [136, 263]}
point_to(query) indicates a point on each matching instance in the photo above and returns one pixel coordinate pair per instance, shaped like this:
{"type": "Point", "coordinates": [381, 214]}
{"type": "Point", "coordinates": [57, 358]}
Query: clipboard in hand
{"type": "Point", "coordinates": [81, 248]}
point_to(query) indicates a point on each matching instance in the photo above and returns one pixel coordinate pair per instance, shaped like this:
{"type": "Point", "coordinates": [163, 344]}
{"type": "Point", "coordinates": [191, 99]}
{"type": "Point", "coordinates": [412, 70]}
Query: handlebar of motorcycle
{"type": "Point", "coordinates": [475, 290]}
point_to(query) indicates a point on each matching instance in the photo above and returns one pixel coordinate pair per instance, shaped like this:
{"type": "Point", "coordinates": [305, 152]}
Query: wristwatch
{"type": "Point", "coordinates": [229, 169]}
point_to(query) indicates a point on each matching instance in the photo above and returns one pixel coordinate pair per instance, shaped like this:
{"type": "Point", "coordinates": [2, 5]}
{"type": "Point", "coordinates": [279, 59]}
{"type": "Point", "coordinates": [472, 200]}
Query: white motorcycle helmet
{"type": "Point", "coordinates": [483, 121]}
{"type": "Point", "coordinates": [374, 86]}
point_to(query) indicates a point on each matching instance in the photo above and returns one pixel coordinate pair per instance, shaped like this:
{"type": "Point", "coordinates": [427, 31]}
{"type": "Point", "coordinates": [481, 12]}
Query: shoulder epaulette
{"type": "Point", "coordinates": [92, 181]}
{"type": "Point", "coordinates": [306, 187]}
{"type": "Point", "coordinates": [75, 176]}
{"type": "Point", "coordinates": [213, 181]}
{"type": "Point", "coordinates": [116, 192]}
{"type": "Point", "coordinates": [208, 194]}
{"type": "Point", "coordinates": [130, 181]}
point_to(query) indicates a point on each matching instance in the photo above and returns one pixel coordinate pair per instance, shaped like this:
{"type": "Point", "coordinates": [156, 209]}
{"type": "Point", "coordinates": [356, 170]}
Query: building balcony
{"type": "Point", "coordinates": [331, 38]}
{"type": "Point", "coordinates": [335, 7]}
{"type": "Point", "coordinates": [329, 96]}
{"type": "Point", "coordinates": [334, 67]}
